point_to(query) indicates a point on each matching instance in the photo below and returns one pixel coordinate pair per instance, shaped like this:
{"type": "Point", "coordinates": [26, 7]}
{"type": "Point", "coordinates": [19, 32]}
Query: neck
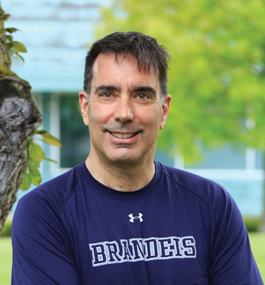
{"type": "Point", "coordinates": [121, 176]}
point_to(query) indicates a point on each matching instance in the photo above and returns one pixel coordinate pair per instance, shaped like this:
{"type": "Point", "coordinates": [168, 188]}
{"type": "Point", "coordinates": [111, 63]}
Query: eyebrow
{"type": "Point", "coordinates": [107, 88]}
{"type": "Point", "coordinates": [144, 89]}
{"type": "Point", "coordinates": [133, 89]}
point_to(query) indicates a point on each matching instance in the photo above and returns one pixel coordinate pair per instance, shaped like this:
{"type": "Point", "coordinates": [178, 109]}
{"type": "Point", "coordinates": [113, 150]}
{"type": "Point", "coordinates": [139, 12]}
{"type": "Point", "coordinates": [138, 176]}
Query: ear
{"type": "Point", "coordinates": [83, 100]}
{"type": "Point", "coordinates": [165, 109]}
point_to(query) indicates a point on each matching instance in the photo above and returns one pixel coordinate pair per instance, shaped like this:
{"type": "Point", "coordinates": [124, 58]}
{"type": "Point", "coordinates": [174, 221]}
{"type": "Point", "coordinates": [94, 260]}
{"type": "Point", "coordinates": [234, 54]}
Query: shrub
{"type": "Point", "coordinates": [252, 224]}
{"type": "Point", "coordinates": [7, 229]}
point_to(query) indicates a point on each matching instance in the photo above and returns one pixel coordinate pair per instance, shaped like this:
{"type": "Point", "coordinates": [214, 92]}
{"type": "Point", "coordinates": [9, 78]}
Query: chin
{"type": "Point", "coordinates": [124, 159]}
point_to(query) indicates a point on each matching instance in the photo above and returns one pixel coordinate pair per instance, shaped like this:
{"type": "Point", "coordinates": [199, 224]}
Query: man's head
{"type": "Point", "coordinates": [143, 48]}
{"type": "Point", "coordinates": [122, 102]}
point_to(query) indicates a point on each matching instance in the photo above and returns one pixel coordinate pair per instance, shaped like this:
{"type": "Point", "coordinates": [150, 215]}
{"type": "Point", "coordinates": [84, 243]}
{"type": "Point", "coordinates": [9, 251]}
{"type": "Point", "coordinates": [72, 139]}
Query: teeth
{"type": "Point", "coordinates": [123, 136]}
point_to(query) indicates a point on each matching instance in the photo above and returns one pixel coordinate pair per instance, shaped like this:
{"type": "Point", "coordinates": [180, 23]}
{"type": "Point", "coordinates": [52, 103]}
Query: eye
{"type": "Point", "coordinates": [106, 95]}
{"type": "Point", "coordinates": [142, 96]}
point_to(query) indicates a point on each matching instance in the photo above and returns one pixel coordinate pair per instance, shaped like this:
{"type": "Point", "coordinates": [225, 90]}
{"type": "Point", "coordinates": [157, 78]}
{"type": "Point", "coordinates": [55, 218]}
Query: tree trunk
{"type": "Point", "coordinates": [19, 118]}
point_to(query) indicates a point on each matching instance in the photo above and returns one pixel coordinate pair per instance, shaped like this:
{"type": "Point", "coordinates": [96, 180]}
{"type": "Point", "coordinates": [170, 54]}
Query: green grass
{"type": "Point", "coordinates": [257, 244]}
{"type": "Point", "coordinates": [5, 260]}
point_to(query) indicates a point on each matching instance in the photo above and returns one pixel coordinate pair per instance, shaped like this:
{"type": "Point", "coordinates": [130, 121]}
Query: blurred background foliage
{"type": "Point", "coordinates": [217, 70]}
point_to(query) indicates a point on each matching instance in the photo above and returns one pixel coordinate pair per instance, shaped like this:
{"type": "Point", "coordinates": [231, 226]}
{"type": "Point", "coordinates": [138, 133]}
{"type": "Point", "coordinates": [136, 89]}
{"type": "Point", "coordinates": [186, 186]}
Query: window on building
{"type": "Point", "coordinates": [74, 134]}
{"type": "Point", "coordinates": [226, 157]}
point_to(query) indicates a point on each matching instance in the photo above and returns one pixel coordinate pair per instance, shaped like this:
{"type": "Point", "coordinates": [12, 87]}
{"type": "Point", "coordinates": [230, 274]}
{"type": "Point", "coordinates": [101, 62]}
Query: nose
{"type": "Point", "coordinates": [124, 110]}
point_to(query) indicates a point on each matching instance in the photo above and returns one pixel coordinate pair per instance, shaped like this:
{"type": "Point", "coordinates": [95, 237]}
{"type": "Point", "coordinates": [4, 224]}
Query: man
{"type": "Point", "coordinates": [119, 217]}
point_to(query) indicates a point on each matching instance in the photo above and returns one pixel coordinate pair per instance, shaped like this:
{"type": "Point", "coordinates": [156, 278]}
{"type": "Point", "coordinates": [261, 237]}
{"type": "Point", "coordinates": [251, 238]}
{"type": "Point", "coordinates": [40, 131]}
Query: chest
{"type": "Point", "coordinates": [157, 239]}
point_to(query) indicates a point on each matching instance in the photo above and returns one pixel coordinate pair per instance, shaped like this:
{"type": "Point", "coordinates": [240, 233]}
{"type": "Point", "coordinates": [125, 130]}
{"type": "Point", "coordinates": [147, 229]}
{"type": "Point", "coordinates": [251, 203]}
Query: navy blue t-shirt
{"type": "Point", "coordinates": [179, 229]}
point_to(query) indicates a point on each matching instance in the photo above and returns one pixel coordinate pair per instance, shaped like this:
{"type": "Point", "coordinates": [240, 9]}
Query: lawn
{"type": "Point", "coordinates": [257, 243]}
{"type": "Point", "coordinates": [5, 261]}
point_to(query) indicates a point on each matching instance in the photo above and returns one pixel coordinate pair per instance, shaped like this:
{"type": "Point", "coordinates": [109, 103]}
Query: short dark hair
{"type": "Point", "coordinates": [147, 51]}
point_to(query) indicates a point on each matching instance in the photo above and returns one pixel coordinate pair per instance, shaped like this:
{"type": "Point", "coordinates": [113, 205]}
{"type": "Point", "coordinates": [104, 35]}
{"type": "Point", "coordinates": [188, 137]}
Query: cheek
{"type": "Point", "coordinates": [98, 115]}
{"type": "Point", "coordinates": [153, 120]}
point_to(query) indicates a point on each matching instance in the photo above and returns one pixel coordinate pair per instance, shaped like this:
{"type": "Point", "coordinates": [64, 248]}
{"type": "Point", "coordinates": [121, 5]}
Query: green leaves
{"type": "Point", "coordinates": [14, 47]}
{"type": "Point", "coordinates": [35, 152]}
{"type": "Point", "coordinates": [19, 47]}
{"type": "Point", "coordinates": [26, 182]}
{"type": "Point", "coordinates": [36, 155]}
{"type": "Point", "coordinates": [216, 72]}
{"type": "Point", "coordinates": [11, 30]}
{"type": "Point", "coordinates": [32, 175]}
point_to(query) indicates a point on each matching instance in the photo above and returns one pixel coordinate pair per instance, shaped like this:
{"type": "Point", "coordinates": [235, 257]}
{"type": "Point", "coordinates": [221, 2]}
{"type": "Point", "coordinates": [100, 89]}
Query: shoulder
{"type": "Point", "coordinates": [196, 184]}
{"type": "Point", "coordinates": [53, 193]}
{"type": "Point", "coordinates": [197, 189]}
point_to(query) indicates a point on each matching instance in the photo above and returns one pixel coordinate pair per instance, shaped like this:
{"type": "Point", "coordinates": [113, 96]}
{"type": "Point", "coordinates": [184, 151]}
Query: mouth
{"type": "Point", "coordinates": [123, 135]}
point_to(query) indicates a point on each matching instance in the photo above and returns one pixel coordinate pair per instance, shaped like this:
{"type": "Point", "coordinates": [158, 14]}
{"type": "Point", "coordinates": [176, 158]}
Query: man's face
{"type": "Point", "coordinates": [124, 111]}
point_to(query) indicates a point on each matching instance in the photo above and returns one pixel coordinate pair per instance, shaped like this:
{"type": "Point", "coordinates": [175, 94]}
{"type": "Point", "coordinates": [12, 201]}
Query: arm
{"type": "Point", "coordinates": [232, 259]}
{"type": "Point", "coordinates": [41, 251]}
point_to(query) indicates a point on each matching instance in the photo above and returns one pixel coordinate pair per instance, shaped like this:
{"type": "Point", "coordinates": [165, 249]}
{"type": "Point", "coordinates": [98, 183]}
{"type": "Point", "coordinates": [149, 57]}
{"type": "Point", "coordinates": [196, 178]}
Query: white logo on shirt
{"type": "Point", "coordinates": [142, 249]}
{"type": "Point", "coordinates": [132, 218]}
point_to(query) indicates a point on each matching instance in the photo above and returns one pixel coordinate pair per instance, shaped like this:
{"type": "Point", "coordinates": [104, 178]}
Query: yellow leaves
{"type": "Point", "coordinates": [48, 138]}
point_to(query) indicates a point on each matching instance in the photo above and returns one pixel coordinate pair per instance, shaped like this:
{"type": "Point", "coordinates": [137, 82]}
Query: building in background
{"type": "Point", "coordinates": [57, 34]}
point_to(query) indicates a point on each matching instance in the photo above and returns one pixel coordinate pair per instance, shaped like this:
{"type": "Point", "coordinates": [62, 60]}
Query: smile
{"type": "Point", "coordinates": [123, 135]}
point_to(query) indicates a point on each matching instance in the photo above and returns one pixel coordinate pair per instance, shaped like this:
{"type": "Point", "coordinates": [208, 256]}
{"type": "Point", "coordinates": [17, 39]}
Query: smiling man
{"type": "Point", "coordinates": [119, 217]}
{"type": "Point", "coordinates": [124, 110]}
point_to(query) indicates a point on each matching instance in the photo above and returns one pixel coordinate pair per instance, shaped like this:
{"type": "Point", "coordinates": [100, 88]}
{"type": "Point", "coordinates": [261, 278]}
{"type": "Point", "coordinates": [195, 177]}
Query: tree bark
{"type": "Point", "coordinates": [19, 119]}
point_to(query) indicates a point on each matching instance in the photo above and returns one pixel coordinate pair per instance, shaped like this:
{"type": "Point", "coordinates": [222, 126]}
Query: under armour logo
{"type": "Point", "coordinates": [132, 218]}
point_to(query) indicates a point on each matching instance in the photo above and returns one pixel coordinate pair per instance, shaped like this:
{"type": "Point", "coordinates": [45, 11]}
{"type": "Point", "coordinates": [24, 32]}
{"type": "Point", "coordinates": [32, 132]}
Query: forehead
{"type": "Point", "coordinates": [121, 69]}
